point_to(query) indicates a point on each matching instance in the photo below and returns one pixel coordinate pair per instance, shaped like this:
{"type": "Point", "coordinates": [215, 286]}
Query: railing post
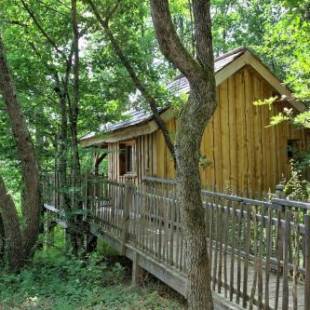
{"type": "Point", "coordinates": [285, 288]}
{"type": "Point", "coordinates": [279, 193]}
{"type": "Point", "coordinates": [125, 224]}
{"type": "Point", "coordinates": [307, 261]}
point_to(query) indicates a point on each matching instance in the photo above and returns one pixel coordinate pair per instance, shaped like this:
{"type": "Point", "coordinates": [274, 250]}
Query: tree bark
{"type": "Point", "coordinates": [61, 160]}
{"type": "Point", "coordinates": [26, 153]}
{"type": "Point", "coordinates": [74, 106]}
{"type": "Point", "coordinates": [2, 241]}
{"type": "Point", "coordinates": [76, 239]}
{"type": "Point", "coordinates": [192, 122]}
{"type": "Point", "coordinates": [188, 140]}
{"type": "Point", "coordinates": [13, 246]}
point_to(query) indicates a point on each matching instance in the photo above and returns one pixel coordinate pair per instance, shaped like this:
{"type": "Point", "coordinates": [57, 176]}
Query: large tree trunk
{"type": "Point", "coordinates": [14, 246]}
{"type": "Point", "coordinates": [194, 117]}
{"type": "Point", "coordinates": [26, 153]}
{"type": "Point", "coordinates": [2, 241]}
{"type": "Point", "coordinates": [188, 142]}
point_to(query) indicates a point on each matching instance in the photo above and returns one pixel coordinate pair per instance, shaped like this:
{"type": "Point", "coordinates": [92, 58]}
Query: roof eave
{"type": "Point", "coordinates": [245, 58]}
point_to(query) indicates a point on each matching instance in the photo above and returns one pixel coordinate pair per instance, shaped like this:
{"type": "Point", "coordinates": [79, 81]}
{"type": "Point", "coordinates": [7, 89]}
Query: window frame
{"type": "Point", "coordinates": [127, 150]}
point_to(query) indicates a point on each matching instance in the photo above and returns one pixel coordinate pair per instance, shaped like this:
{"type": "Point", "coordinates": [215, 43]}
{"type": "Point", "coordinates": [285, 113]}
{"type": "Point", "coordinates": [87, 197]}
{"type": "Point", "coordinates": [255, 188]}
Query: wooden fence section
{"type": "Point", "coordinates": [259, 250]}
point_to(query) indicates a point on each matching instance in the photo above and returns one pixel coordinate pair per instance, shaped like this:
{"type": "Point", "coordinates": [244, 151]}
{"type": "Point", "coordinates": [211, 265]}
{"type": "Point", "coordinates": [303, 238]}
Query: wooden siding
{"type": "Point", "coordinates": [245, 155]}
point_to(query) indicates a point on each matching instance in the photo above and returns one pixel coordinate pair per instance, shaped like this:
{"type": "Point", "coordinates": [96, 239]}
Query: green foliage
{"type": "Point", "coordinates": [296, 188]}
{"type": "Point", "coordinates": [54, 281]}
{"type": "Point", "coordinates": [277, 119]}
{"type": "Point", "coordinates": [204, 162]}
{"type": "Point", "coordinates": [302, 119]}
{"type": "Point", "coordinates": [267, 101]}
{"type": "Point", "coordinates": [277, 30]}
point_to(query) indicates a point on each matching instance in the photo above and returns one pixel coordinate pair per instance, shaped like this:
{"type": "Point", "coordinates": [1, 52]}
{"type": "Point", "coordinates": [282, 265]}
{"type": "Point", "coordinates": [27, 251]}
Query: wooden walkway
{"type": "Point", "coordinates": [259, 250]}
{"type": "Point", "coordinates": [233, 269]}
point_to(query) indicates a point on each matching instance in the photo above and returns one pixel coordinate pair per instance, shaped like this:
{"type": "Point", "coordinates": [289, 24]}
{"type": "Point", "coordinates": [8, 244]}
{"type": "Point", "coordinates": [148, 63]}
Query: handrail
{"type": "Point", "coordinates": [269, 236]}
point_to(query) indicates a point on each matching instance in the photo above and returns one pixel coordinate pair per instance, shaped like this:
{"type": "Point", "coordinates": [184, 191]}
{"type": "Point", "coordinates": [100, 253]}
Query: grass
{"type": "Point", "coordinates": [56, 281]}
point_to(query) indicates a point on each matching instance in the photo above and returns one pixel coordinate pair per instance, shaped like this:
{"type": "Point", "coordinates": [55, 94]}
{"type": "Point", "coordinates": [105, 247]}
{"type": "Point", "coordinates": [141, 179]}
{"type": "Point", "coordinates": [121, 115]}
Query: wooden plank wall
{"type": "Point", "coordinates": [245, 156]}
{"type": "Point", "coordinates": [113, 161]}
{"type": "Point", "coordinates": [145, 158]}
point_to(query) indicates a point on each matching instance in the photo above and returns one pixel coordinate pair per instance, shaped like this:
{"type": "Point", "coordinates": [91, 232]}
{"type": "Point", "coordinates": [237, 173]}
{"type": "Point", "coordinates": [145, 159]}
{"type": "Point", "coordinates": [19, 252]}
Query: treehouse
{"type": "Point", "coordinates": [240, 152]}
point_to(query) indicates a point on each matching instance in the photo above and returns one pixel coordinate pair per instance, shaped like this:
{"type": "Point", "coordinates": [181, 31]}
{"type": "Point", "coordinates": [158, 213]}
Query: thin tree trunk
{"type": "Point", "coordinates": [61, 160]}
{"type": "Point", "coordinates": [76, 92]}
{"type": "Point", "coordinates": [73, 114]}
{"type": "Point", "coordinates": [26, 153]}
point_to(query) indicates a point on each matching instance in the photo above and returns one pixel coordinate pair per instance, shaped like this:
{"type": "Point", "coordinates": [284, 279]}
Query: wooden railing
{"type": "Point", "coordinates": [259, 250]}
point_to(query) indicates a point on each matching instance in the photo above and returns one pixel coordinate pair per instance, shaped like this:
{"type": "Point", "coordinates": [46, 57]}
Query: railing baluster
{"type": "Point", "coordinates": [268, 254]}
{"type": "Point", "coordinates": [285, 289]}
{"type": "Point", "coordinates": [222, 226]}
{"type": "Point", "coordinates": [226, 233]}
{"type": "Point", "coordinates": [307, 261]}
{"type": "Point", "coordinates": [239, 257]}
{"type": "Point", "coordinates": [232, 261]}
{"type": "Point", "coordinates": [247, 252]}
{"type": "Point", "coordinates": [216, 244]}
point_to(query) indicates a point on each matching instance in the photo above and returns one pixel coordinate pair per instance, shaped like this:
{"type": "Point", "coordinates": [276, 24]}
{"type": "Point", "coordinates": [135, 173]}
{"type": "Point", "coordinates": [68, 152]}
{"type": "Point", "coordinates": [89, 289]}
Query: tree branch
{"type": "Point", "coordinates": [203, 34]}
{"type": "Point", "coordinates": [169, 41]}
{"type": "Point", "coordinates": [134, 77]}
{"type": "Point", "coordinates": [44, 33]}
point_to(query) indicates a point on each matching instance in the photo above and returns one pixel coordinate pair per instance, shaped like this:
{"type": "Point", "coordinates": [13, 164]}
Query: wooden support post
{"type": "Point", "coordinates": [49, 226]}
{"type": "Point", "coordinates": [67, 240]}
{"type": "Point", "coordinates": [137, 271]}
{"type": "Point", "coordinates": [86, 206]}
{"type": "Point", "coordinates": [307, 261]}
{"type": "Point", "coordinates": [46, 230]}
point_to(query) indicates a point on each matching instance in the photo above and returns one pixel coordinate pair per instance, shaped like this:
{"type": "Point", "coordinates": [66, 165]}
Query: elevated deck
{"type": "Point", "coordinates": [259, 250]}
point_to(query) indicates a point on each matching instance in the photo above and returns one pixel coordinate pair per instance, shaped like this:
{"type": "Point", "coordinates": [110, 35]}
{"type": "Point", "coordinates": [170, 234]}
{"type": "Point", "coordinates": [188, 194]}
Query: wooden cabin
{"type": "Point", "coordinates": [240, 152]}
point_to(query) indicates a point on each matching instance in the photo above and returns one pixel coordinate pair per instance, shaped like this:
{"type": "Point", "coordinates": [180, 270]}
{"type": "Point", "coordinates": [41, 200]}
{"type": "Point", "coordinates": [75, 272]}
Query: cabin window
{"type": "Point", "coordinates": [293, 146]}
{"type": "Point", "coordinates": [126, 158]}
